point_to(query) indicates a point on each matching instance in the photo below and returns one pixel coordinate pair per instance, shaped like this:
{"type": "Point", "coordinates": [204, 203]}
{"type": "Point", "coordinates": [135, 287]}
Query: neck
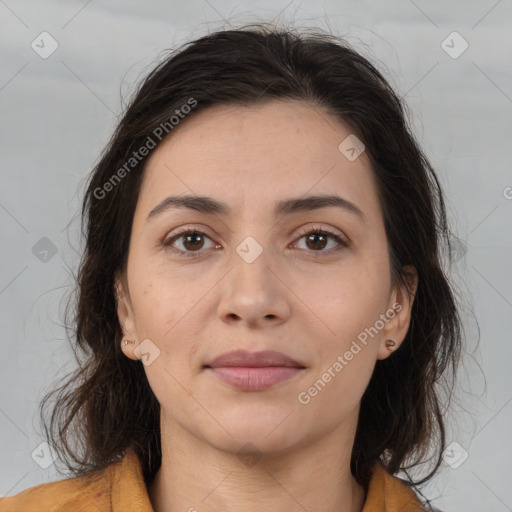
{"type": "Point", "coordinates": [197, 477]}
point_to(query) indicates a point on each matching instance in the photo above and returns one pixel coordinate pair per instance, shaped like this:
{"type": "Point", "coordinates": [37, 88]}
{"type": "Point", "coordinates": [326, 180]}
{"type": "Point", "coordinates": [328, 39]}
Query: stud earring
{"type": "Point", "coordinates": [390, 344]}
{"type": "Point", "coordinates": [125, 342]}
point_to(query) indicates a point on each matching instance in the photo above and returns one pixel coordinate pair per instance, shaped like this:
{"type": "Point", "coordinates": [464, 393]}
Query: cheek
{"type": "Point", "coordinates": [347, 300]}
{"type": "Point", "coordinates": [352, 301]}
{"type": "Point", "coordinates": [166, 313]}
{"type": "Point", "coordinates": [154, 305]}
{"type": "Point", "coordinates": [169, 310]}
{"type": "Point", "coordinates": [160, 297]}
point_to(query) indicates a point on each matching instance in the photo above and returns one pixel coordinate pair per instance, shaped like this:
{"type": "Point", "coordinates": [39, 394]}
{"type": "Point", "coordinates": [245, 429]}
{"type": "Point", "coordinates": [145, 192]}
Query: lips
{"type": "Point", "coordinates": [245, 359]}
{"type": "Point", "coordinates": [253, 371]}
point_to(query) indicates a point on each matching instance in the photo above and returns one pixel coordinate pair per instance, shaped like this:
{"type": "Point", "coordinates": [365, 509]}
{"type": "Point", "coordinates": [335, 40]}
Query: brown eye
{"type": "Point", "coordinates": [317, 239]}
{"type": "Point", "coordinates": [192, 241]}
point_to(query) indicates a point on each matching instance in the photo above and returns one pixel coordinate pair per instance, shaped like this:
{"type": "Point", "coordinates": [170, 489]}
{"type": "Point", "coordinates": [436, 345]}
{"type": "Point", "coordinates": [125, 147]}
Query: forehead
{"type": "Point", "coordinates": [257, 154]}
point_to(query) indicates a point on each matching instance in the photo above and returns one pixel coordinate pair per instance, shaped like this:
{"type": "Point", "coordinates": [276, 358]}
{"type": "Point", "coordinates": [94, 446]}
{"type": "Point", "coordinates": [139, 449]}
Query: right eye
{"type": "Point", "coordinates": [193, 242]}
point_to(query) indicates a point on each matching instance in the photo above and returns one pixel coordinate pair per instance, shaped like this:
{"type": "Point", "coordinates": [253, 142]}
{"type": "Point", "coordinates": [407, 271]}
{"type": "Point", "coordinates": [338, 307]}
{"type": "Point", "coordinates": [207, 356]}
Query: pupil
{"type": "Point", "coordinates": [191, 237]}
{"type": "Point", "coordinates": [311, 238]}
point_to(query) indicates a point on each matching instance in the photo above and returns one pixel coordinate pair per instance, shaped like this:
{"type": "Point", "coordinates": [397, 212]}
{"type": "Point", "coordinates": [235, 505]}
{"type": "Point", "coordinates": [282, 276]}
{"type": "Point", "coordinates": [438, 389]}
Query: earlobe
{"type": "Point", "coordinates": [387, 347]}
{"type": "Point", "coordinates": [390, 345]}
{"type": "Point", "coordinates": [396, 329]}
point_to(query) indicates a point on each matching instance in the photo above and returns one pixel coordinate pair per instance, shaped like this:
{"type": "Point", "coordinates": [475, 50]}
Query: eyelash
{"type": "Point", "coordinates": [195, 254]}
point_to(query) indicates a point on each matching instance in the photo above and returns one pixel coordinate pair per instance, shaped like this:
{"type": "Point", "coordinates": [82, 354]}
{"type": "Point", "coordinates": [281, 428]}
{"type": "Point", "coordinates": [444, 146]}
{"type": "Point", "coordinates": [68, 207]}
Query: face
{"type": "Point", "coordinates": [201, 282]}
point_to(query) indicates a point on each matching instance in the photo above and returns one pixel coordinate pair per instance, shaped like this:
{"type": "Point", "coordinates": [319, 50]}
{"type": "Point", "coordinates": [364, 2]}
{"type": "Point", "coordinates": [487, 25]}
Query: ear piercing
{"type": "Point", "coordinates": [390, 344]}
{"type": "Point", "coordinates": [125, 342]}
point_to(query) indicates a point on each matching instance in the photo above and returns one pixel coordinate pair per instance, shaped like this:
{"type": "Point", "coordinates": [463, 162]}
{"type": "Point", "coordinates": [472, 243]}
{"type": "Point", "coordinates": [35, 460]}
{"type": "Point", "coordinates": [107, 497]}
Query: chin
{"type": "Point", "coordinates": [255, 444]}
{"type": "Point", "coordinates": [260, 429]}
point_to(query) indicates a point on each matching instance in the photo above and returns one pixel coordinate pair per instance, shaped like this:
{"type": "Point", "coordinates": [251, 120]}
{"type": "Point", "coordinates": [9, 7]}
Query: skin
{"type": "Point", "coordinates": [310, 308]}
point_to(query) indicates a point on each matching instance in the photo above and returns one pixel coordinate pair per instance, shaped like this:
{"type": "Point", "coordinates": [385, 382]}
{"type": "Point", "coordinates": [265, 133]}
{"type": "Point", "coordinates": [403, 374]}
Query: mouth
{"type": "Point", "coordinates": [254, 371]}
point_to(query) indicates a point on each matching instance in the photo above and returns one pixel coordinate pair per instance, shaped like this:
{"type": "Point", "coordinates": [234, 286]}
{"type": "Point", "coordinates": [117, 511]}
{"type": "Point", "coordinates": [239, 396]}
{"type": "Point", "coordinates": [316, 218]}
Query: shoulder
{"type": "Point", "coordinates": [390, 494]}
{"type": "Point", "coordinates": [117, 488]}
{"type": "Point", "coordinates": [90, 492]}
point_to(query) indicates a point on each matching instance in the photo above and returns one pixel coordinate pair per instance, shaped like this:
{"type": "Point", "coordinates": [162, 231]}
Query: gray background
{"type": "Point", "coordinates": [57, 114]}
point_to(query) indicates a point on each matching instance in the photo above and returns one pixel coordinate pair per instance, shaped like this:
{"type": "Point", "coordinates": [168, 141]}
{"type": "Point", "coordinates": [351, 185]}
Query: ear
{"type": "Point", "coordinates": [399, 312]}
{"type": "Point", "coordinates": [125, 315]}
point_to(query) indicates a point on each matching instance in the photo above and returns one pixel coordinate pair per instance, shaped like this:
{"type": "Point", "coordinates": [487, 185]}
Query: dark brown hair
{"type": "Point", "coordinates": [107, 405]}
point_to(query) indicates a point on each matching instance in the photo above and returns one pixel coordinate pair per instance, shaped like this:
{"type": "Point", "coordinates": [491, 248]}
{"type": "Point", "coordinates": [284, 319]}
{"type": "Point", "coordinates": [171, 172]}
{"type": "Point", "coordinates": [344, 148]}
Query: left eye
{"type": "Point", "coordinates": [317, 237]}
{"type": "Point", "coordinates": [193, 241]}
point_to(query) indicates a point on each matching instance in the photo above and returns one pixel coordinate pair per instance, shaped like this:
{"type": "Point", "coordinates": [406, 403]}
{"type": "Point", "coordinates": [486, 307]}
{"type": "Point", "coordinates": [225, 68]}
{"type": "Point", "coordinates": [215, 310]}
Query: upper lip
{"type": "Point", "coordinates": [244, 358]}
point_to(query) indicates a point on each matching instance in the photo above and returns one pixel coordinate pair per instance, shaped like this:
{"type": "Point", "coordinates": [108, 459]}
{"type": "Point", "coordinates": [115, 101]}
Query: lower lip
{"type": "Point", "coordinates": [255, 379]}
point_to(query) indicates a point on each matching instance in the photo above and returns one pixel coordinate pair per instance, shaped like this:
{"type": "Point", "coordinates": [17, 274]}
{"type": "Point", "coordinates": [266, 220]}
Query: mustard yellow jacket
{"type": "Point", "coordinates": [120, 488]}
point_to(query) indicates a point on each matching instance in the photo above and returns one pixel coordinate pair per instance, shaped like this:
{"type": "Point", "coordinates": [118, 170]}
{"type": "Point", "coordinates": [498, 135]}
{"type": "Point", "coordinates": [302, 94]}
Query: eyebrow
{"type": "Point", "coordinates": [285, 207]}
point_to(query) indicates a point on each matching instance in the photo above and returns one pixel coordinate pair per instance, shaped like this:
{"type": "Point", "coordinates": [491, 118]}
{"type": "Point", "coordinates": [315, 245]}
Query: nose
{"type": "Point", "coordinates": [254, 293]}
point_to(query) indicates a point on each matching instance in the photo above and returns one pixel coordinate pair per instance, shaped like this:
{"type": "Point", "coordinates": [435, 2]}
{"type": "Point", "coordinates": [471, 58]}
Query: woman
{"type": "Point", "coordinates": [261, 301]}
